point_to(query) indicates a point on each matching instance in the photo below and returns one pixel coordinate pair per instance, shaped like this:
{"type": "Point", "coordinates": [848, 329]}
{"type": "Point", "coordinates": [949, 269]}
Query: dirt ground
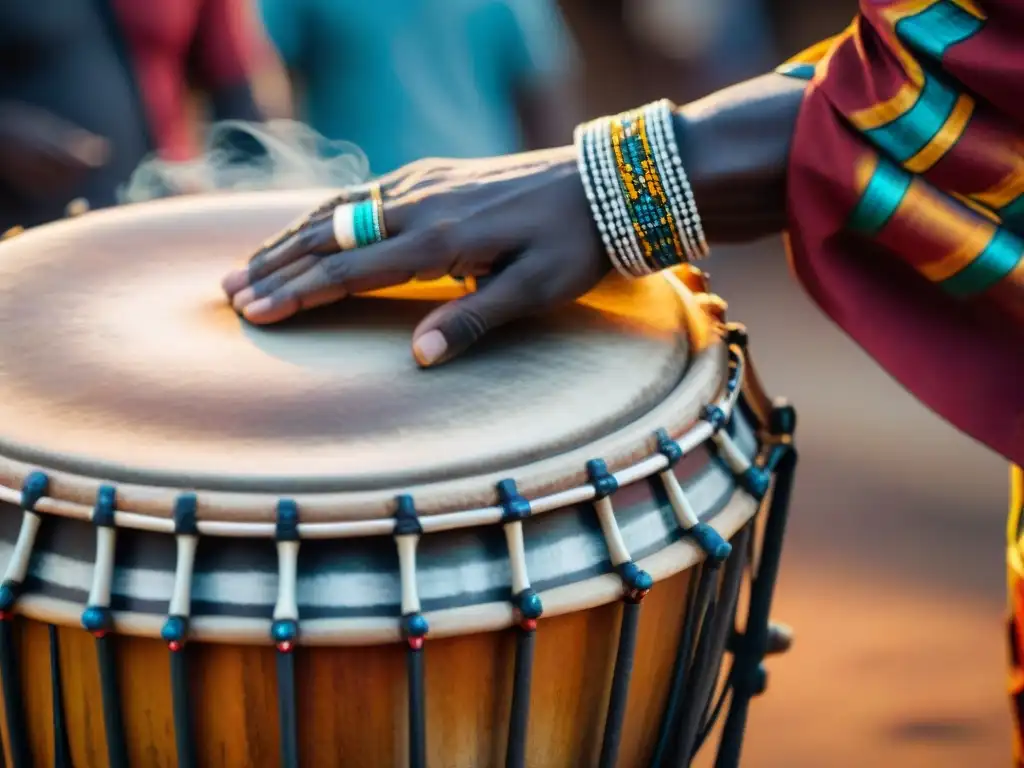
{"type": "Point", "coordinates": [892, 573]}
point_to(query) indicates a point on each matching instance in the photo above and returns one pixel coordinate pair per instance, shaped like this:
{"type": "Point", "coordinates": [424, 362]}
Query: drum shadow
{"type": "Point", "coordinates": [396, 392]}
{"type": "Point", "coordinates": [306, 338]}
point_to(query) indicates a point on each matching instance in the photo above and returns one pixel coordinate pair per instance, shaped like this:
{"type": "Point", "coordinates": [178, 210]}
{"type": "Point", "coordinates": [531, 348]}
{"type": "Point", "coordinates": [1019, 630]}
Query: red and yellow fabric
{"type": "Point", "coordinates": [1015, 594]}
{"type": "Point", "coordinates": [906, 200]}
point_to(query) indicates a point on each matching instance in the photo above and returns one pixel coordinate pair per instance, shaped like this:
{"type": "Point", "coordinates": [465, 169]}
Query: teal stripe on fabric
{"type": "Point", "coordinates": [930, 33]}
{"type": "Point", "coordinates": [1001, 255]}
{"type": "Point", "coordinates": [937, 28]}
{"type": "Point", "coordinates": [799, 71]}
{"type": "Point", "coordinates": [909, 133]}
{"type": "Point", "coordinates": [1013, 216]}
{"type": "Point", "coordinates": [881, 198]}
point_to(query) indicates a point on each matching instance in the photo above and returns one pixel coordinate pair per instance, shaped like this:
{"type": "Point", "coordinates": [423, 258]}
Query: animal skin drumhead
{"type": "Point", "coordinates": [121, 359]}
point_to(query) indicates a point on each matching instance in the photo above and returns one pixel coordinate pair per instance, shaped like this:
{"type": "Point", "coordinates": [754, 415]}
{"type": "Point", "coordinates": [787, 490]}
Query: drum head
{"type": "Point", "coordinates": [120, 359]}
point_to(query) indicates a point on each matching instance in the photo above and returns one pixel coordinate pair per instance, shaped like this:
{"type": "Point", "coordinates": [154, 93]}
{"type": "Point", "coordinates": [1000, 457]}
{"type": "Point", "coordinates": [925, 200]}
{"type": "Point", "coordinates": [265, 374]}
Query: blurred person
{"type": "Point", "coordinates": [70, 122]}
{"type": "Point", "coordinates": [724, 41]}
{"type": "Point", "coordinates": [406, 79]}
{"type": "Point", "coordinates": [891, 156]}
{"type": "Point", "coordinates": [88, 90]}
{"type": "Point", "coordinates": [177, 48]}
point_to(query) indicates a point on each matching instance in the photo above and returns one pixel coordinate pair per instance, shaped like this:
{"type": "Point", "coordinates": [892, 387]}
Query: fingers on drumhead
{"type": "Point", "coordinates": [316, 234]}
{"type": "Point", "coordinates": [272, 282]}
{"type": "Point", "coordinates": [314, 237]}
{"type": "Point", "coordinates": [290, 289]}
{"type": "Point", "coordinates": [289, 294]}
{"type": "Point", "coordinates": [450, 330]}
{"type": "Point", "coordinates": [276, 255]}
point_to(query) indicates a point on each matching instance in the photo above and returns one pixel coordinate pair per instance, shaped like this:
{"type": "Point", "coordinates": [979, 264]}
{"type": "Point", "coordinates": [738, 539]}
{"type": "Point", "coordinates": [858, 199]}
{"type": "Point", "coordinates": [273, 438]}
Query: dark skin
{"type": "Point", "coordinates": [524, 219]}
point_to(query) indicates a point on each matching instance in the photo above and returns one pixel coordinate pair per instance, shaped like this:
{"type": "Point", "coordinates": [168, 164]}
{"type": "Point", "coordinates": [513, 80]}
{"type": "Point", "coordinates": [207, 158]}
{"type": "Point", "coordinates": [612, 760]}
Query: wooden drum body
{"type": "Point", "coordinates": [230, 546]}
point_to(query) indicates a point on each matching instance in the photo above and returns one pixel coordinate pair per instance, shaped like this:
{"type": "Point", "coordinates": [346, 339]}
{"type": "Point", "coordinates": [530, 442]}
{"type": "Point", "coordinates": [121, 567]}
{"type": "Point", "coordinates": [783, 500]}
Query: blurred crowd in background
{"type": "Point", "coordinates": [89, 89]}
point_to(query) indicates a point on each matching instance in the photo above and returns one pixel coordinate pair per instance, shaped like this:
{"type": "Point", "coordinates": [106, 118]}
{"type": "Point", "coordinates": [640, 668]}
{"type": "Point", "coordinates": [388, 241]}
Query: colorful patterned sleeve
{"type": "Point", "coordinates": [906, 201]}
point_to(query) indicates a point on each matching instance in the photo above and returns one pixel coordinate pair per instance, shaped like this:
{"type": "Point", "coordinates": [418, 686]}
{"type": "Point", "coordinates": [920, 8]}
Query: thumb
{"type": "Point", "coordinates": [450, 330]}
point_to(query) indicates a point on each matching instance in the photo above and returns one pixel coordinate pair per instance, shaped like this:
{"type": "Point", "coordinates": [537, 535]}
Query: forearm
{"type": "Point", "coordinates": [735, 148]}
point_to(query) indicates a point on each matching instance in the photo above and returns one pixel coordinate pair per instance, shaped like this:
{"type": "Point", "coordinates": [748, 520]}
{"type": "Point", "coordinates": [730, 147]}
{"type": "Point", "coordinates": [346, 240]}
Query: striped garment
{"type": "Point", "coordinates": [906, 208]}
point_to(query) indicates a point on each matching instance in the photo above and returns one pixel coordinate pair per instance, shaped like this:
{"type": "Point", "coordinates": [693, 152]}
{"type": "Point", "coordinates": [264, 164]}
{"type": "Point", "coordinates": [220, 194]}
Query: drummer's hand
{"type": "Point", "coordinates": [525, 215]}
{"type": "Point", "coordinates": [42, 155]}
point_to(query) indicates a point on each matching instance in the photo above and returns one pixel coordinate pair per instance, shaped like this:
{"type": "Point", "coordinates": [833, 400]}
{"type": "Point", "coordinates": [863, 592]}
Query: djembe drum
{"type": "Point", "coordinates": [232, 546]}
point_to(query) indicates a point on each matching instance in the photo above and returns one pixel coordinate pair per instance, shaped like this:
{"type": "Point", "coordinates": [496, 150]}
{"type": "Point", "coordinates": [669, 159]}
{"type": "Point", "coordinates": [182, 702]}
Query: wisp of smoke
{"type": "Point", "coordinates": [281, 154]}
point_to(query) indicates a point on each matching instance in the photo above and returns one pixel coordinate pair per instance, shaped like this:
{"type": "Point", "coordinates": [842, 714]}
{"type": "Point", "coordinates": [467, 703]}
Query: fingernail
{"type": "Point", "coordinates": [258, 307]}
{"type": "Point", "coordinates": [242, 298]}
{"type": "Point", "coordinates": [235, 281]}
{"type": "Point", "coordinates": [429, 348]}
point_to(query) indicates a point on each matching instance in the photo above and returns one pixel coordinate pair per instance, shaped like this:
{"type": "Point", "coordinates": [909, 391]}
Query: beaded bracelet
{"type": "Point", "coordinates": [662, 112]}
{"type": "Point", "coordinates": [638, 191]}
{"type": "Point", "coordinates": [585, 161]}
{"type": "Point", "coordinates": [631, 243]}
{"type": "Point", "coordinates": [651, 216]}
{"type": "Point", "coordinates": [610, 213]}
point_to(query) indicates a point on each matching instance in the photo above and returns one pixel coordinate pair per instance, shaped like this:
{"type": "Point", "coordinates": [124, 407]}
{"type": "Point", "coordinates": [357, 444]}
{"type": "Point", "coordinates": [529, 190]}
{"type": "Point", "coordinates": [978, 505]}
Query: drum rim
{"type": "Point", "coordinates": [74, 495]}
{"type": "Point", "coordinates": [247, 513]}
{"type": "Point", "coordinates": [587, 594]}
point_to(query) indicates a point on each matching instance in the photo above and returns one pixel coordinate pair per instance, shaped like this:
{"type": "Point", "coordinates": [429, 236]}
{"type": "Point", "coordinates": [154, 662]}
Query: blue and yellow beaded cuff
{"type": "Point", "coordinates": [638, 190]}
{"type": "Point", "coordinates": [641, 184]}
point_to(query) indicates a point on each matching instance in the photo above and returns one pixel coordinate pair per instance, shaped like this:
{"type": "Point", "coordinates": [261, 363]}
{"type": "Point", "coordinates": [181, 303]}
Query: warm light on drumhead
{"type": "Point", "coordinates": [120, 358]}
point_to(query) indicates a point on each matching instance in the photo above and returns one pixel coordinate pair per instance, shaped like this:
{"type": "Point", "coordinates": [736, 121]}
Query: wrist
{"type": "Point", "coordinates": [735, 147]}
{"type": "Point", "coordinates": [638, 190]}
